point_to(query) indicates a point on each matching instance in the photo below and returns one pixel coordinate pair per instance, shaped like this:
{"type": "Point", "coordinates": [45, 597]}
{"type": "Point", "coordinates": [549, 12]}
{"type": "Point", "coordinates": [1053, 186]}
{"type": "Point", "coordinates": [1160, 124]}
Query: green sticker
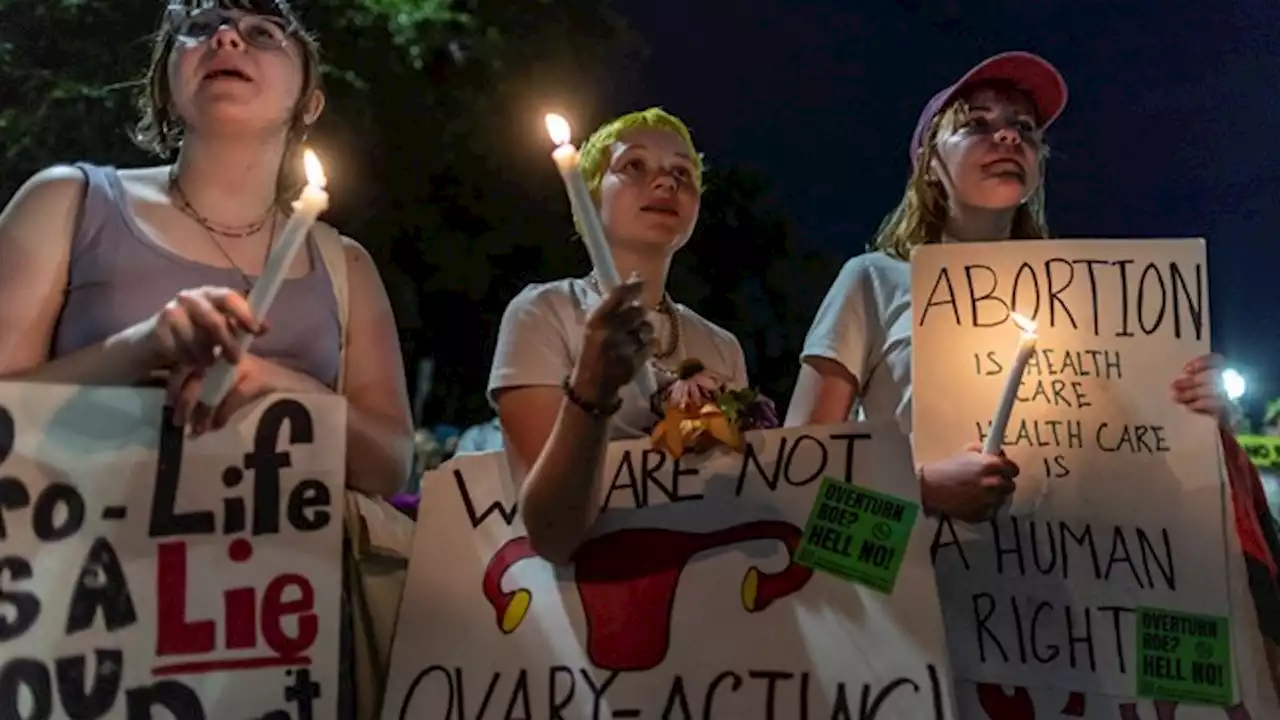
{"type": "Point", "coordinates": [857, 534]}
{"type": "Point", "coordinates": [1184, 657]}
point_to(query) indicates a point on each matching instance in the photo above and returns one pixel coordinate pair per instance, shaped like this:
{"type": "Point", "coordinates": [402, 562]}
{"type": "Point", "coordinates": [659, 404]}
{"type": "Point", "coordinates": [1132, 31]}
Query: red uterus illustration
{"type": "Point", "coordinates": [627, 581]}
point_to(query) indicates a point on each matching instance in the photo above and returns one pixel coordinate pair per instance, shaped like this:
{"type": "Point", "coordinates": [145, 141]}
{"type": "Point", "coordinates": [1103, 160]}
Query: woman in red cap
{"type": "Point", "coordinates": [977, 168]}
{"type": "Point", "coordinates": [977, 159]}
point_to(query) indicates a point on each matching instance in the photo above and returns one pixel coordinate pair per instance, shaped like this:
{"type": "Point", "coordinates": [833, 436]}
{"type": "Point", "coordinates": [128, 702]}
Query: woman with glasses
{"type": "Point", "coordinates": [121, 276]}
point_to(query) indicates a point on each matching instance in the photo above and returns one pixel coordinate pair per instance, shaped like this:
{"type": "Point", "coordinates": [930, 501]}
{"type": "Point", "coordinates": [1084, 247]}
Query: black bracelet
{"type": "Point", "coordinates": [593, 409]}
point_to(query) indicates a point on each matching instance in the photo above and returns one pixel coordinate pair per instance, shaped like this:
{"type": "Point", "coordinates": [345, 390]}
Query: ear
{"type": "Point", "coordinates": [312, 107]}
{"type": "Point", "coordinates": [936, 170]}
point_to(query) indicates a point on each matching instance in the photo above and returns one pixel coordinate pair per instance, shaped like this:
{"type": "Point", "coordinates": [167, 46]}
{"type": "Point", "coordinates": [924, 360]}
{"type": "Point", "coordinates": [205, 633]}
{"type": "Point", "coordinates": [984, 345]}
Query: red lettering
{"type": "Point", "coordinates": [242, 618]}
{"type": "Point", "coordinates": [239, 605]}
{"type": "Point", "coordinates": [175, 635]}
{"type": "Point", "coordinates": [275, 608]}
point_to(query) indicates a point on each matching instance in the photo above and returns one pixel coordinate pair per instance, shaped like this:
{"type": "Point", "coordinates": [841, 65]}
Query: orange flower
{"type": "Point", "coordinates": [695, 431]}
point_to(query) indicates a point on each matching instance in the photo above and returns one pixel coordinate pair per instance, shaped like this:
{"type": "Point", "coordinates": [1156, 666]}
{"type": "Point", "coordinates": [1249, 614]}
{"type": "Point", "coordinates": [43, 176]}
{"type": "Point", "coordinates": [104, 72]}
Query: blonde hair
{"type": "Point", "coordinates": [921, 215]}
{"type": "Point", "coordinates": [159, 129]}
{"type": "Point", "coordinates": [596, 153]}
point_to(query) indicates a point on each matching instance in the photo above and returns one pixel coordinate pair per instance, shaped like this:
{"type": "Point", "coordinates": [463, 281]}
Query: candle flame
{"type": "Point", "coordinates": [1024, 323]}
{"type": "Point", "coordinates": [558, 129]}
{"type": "Point", "coordinates": [315, 171]}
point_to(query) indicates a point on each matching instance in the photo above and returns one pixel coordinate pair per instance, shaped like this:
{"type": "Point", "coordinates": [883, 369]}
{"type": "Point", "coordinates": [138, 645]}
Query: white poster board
{"type": "Point", "coordinates": [687, 600]}
{"type": "Point", "coordinates": [147, 575]}
{"type": "Point", "coordinates": [1120, 503]}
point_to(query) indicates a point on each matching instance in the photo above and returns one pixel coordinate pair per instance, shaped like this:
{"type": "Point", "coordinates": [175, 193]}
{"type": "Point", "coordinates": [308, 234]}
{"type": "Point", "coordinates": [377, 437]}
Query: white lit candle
{"type": "Point", "coordinates": [313, 201]}
{"type": "Point", "coordinates": [1026, 346]}
{"type": "Point", "coordinates": [566, 158]}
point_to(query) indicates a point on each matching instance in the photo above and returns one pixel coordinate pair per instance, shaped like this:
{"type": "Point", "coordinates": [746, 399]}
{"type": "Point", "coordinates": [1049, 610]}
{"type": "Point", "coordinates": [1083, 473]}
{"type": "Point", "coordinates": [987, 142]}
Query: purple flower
{"type": "Point", "coordinates": [761, 414]}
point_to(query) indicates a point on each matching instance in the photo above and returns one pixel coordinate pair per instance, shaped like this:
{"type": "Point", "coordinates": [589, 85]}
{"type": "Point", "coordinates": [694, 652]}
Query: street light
{"type": "Point", "coordinates": [1233, 382]}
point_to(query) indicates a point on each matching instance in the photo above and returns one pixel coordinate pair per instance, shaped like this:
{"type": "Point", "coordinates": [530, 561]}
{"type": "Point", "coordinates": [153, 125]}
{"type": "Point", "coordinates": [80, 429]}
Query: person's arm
{"type": "Point", "coordinates": [555, 445]}
{"type": "Point", "coordinates": [824, 393]}
{"type": "Point", "coordinates": [563, 447]}
{"type": "Point", "coordinates": [836, 350]}
{"type": "Point", "coordinates": [379, 424]}
{"type": "Point", "coordinates": [36, 232]}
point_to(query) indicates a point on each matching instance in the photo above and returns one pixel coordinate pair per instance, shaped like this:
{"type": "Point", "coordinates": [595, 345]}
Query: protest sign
{"type": "Point", "coordinates": [716, 586]}
{"type": "Point", "coordinates": [1259, 693]}
{"type": "Point", "coordinates": [144, 574]}
{"type": "Point", "coordinates": [1120, 502]}
{"type": "Point", "coordinates": [1264, 450]}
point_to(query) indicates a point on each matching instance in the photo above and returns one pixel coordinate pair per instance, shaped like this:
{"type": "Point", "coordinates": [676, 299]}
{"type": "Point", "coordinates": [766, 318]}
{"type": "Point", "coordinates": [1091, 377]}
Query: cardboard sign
{"type": "Point", "coordinates": [687, 600]}
{"type": "Point", "coordinates": [1121, 500]}
{"type": "Point", "coordinates": [141, 572]}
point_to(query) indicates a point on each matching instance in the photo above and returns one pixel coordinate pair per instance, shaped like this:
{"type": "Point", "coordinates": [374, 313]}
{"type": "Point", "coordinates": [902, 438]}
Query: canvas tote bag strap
{"type": "Point", "coordinates": [335, 261]}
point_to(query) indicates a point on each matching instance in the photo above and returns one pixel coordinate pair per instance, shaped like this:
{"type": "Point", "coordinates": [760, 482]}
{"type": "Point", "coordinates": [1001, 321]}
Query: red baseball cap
{"type": "Point", "coordinates": [1031, 73]}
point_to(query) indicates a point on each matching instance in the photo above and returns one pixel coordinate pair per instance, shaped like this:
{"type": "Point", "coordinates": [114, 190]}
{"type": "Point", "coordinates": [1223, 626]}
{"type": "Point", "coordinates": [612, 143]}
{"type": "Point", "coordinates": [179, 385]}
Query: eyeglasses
{"type": "Point", "coordinates": [261, 31]}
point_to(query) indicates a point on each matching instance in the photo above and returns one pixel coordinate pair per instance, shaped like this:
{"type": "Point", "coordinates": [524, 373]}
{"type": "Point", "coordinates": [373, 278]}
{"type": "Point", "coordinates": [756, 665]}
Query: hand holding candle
{"type": "Point", "coordinates": [313, 201]}
{"type": "Point", "coordinates": [584, 209]}
{"type": "Point", "coordinates": [1026, 346]}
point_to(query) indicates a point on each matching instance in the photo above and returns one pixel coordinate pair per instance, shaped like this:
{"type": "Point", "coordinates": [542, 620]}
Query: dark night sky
{"type": "Point", "coordinates": [1170, 130]}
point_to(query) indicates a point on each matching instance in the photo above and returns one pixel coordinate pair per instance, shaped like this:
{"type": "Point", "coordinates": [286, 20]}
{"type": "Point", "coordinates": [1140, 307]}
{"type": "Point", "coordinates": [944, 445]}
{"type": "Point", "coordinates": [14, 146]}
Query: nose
{"type": "Point", "coordinates": [664, 178]}
{"type": "Point", "coordinates": [1008, 136]}
{"type": "Point", "coordinates": [227, 38]}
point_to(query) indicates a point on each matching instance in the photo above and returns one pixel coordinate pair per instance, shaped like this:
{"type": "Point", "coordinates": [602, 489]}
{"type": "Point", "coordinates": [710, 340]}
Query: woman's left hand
{"type": "Point", "coordinates": [254, 379]}
{"type": "Point", "coordinates": [1200, 389]}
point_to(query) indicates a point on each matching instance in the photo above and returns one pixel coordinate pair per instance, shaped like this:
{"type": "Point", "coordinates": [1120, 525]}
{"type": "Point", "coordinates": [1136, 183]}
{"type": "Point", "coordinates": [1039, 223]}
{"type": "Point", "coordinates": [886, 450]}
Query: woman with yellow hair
{"type": "Point", "coordinates": [567, 353]}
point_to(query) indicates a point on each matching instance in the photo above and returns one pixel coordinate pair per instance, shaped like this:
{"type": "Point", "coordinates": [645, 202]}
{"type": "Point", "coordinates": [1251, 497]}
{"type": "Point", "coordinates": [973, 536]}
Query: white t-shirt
{"type": "Point", "coordinates": [540, 339]}
{"type": "Point", "coordinates": [864, 324]}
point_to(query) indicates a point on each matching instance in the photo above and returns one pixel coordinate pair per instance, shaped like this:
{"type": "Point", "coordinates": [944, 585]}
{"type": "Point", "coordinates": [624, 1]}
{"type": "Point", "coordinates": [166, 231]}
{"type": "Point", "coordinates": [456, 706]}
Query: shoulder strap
{"type": "Point", "coordinates": [334, 257]}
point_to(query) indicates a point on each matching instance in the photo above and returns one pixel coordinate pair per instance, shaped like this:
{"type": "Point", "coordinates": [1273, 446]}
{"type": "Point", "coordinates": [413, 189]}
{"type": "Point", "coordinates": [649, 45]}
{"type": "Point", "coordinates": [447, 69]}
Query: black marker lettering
{"type": "Point", "coordinates": [25, 605]}
{"type": "Point", "coordinates": [103, 686]}
{"type": "Point", "coordinates": [558, 700]}
{"type": "Point", "coordinates": [166, 520]}
{"type": "Point", "coordinates": [733, 678]}
{"type": "Point", "coordinates": [984, 606]}
{"type": "Point", "coordinates": [1055, 293]}
{"type": "Point", "coordinates": [507, 513]}
{"type": "Point", "coordinates": [1093, 291]}
{"type": "Point", "coordinates": [816, 473]}
{"type": "Point", "coordinates": [849, 440]}
{"type": "Point", "coordinates": [627, 467]}
{"type": "Point", "coordinates": [676, 695]}
{"type": "Point", "coordinates": [1015, 549]}
{"type": "Point", "coordinates": [1086, 639]}
{"type": "Point", "coordinates": [1035, 291]}
{"type": "Point", "coordinates": [1123, 265]}
{"type": "Point", "coordinates": [943, 277]}
{"type": "Point", "coordinates": [101, 586]}
{"type": "Point", "coordinates": [520, 695]}
{"type": "Point", "coordinates": [988, 295]}
{"type": "Point", "coordinates": [1194, 301]}
{"type": "Point", "coordinates": [944, 523]}
{"type": "Point", "coordinates": [180, 700]}
{"type": "Point", "coordinates": [1162, 295]}
{"type": "Point", "coordinates": [25, 676]}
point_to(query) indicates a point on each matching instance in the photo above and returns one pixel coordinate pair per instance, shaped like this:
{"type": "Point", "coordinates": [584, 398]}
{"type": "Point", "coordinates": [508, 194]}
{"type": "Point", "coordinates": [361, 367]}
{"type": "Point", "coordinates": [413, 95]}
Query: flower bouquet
{"type": "Point", "coordinates": [699, 411]}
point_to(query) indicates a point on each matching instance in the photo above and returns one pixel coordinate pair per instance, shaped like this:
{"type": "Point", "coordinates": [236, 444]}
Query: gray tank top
{"type": "Point", "coordinates": [118, 277]}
